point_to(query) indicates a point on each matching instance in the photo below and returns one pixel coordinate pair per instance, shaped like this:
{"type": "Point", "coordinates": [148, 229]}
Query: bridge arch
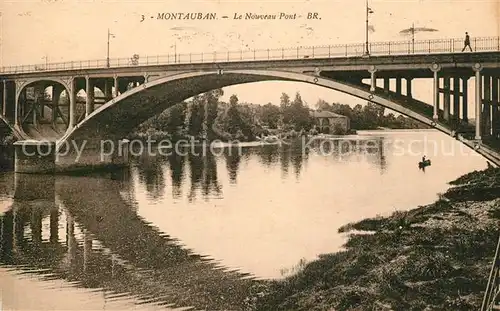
{"type": "Point", "coordinates": [116, 118]}
{"type": "Point", "coordinates": [43, 126]}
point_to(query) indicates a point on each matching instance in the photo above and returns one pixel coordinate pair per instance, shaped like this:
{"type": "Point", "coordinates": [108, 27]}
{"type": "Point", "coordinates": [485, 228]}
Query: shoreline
{"type": "Point", "coordinates": [433, 257]}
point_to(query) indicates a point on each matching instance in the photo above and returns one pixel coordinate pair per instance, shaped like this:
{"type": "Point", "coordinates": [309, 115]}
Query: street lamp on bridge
{"type": "Point", "coordinates": [46, 57]}
{"type": "Point", "coordinates": [367, 28]}
{"type": "Point", "coordinates": [110, 35]}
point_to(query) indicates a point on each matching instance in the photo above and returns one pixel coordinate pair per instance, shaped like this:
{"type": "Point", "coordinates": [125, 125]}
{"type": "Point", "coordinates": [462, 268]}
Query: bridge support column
{"type": "Point", "coordinates": [386, 85]}
{"type": "Point", "coordinates": [447, 97]}
{"type": "Point", "coordinates": [373, 79]}
{"type": "Point", "coordinates": [17, 108]}
{"type": "Point", "coordinates": [398, 85]}
{"type": "Point", "coordinates": [116, 86]}
{"type": "Point", "coordinates": [465, 99]}
{"type": "Point", "coordinates": [89, 102]}
{"type": "Point", "coordinates": [456, 100]}
{"type": "Point", "coordinates": [4, 98]}
{"type": "Point", "coordinates": [107, 89]}
{"type": "Point", "coordinates": [72, 104]}
{"type": "Point", "coordinates": [56, 94]}
{"type": "Point", "coordinates": [34, 157]}
{"type": "Point", "coordinates": [486, 105]}
{"type": "Point", "coordinates": [495, 98]}
{"type": "Point", "coordinates": [36, 104]}
{"type": "Point", "coordinates": [408, 87]}
{"type": "Point", "coordinates": [435, 91]}
{"type": "Point", "coordinates": [477, 115]}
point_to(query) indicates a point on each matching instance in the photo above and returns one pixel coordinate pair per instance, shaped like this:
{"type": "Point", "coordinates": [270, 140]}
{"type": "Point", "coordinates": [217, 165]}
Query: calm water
{"type": "Point", "coordinates": [179, 231]}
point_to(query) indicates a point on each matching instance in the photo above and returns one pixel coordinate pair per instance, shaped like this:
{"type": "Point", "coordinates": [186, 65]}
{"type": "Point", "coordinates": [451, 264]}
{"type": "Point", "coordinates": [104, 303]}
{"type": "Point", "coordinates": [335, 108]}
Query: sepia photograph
{"type": "Point", "coordinates": [253, 155]}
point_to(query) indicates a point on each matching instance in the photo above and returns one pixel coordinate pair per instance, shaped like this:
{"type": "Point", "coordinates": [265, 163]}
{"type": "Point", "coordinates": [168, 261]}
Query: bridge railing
{"type": "Point", "coordinates": [453, 45]}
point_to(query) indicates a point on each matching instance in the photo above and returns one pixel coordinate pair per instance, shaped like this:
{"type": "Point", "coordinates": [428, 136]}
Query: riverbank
{"type": "Point", "coordinates": [434, 257]}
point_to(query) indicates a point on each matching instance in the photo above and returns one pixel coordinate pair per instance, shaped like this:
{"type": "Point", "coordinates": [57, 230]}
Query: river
{"type": "Point", "coordinates": [191, 230]}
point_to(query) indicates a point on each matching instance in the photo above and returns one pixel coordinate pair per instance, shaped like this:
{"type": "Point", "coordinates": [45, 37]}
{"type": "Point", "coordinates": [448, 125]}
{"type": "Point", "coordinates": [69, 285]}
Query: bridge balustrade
{"type": "Point", "coordinates": [453, 45]}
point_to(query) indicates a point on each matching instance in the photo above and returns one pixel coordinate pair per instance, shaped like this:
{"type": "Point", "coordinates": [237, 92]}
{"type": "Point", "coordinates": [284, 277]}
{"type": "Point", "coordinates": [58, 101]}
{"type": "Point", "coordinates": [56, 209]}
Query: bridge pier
{"type": "Point", "coordinates": [486, 113]}
{"type": "Point", "coordinates": [72, 104]}
{"type": "Point", "coordinates": [56, 95]}
{"type": "Point", "coordinates": [465, 99]}
{"type": "Point", "coordinates": [447, 97]}
{"type": "Point", "coordinates": [82, 155]}
{"type": "Point", "coordinates": [89, 101]}
{"type": "Point", "coordinates": [408, 87]}
{"type": "Point", "coordinates": [477, 115]}
{"type": "Point", "coordinates": [387, 84]}
{"type": "Point", "coordinates": [398, 85]}
{"type": "Point", "coordinates": [32, 157]}
{"type": "Point", "coordinates": [373, 79]}
{"type": "Point", "coordinates": [115, 93]}
{"type": "Point", "coordinates": [456, 100]}
{"type": "Point", "coordinates": [107, 90]}
{"type": "Point", "coordinates": [38, 90]}
{"type": "Point", "coordinates": [495, 98]}
{"type": "Point", "coordinates": [435, 90]}
{"type": "Point", "coordinates": [4, 98]}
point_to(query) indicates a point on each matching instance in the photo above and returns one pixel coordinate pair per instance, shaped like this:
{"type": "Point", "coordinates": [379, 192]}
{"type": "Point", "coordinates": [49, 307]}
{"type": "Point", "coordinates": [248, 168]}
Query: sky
{"type": "Point", "coordinates": [65, 30]}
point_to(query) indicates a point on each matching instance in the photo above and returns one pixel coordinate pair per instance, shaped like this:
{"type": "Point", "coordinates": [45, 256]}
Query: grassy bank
{"type": "Point", "coordinates": [435, 257]}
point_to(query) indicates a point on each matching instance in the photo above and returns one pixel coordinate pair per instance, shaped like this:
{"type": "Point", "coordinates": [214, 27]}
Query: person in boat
{"type": "Point", "coordinates": [423, 159]}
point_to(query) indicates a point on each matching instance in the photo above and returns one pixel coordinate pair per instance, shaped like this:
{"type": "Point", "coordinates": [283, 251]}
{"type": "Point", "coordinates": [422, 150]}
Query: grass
{"type": "Point", "coordinates": [435, 257]}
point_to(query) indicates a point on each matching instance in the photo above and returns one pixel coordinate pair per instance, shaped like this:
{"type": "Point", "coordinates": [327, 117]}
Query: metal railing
{"type": "Point", "coordinates": [453, 45]}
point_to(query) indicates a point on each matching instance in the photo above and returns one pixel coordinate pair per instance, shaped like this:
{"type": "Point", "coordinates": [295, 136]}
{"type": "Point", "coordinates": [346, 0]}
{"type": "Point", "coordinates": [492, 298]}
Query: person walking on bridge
{"type": "Point", "coordinates": [467, 42]}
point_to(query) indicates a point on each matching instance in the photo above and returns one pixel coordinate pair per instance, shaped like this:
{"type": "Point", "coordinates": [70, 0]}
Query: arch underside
{"type": "Point", "coordinates": [117, 118]}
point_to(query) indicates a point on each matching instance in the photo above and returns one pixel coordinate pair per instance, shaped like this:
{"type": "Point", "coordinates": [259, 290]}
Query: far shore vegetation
{"type": "Point", "coordinates": [245, 121]}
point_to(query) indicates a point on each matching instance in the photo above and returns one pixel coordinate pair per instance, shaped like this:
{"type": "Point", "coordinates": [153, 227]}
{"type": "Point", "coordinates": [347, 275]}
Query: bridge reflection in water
{"type": "Point", "coordinates": [108, 246]}
{"type": "Point", "coordinates": [84, 231]}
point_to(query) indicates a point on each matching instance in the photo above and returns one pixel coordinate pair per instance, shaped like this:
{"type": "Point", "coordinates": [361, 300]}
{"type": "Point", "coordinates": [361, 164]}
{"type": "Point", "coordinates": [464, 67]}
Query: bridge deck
{"type": "Point", "coordinates": [408, 53]}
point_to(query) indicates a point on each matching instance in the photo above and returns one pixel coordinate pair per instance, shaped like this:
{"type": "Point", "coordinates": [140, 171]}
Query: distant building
{"type": "Point", "coordinates": [330, 123]}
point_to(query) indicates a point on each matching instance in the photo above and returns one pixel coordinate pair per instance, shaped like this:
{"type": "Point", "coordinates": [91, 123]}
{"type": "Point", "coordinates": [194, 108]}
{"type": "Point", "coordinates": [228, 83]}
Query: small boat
{"type": "Point", "coordinates": [271, 139]}
{"type": "Point", "coordinates": [423, 164]}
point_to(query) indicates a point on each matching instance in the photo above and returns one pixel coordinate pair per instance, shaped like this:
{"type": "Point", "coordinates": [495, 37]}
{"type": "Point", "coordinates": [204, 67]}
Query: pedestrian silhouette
{"type": "Point", "coordinates": [467, 42]}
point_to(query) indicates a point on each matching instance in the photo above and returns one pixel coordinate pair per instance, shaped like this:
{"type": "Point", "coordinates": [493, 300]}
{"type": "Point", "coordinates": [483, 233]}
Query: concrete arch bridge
{"type": "Point", "coordinates": [91, 101]}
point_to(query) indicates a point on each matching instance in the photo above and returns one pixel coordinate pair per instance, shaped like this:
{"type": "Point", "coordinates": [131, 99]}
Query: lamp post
{"type": "Point", "coordinates": [46, 61]}
{"type": "Point", "coordinates": [368, 11]}
{"type": "Point", "coordinates": [175, 52]}
{"type": "Point", "coordinates": [110, 35]}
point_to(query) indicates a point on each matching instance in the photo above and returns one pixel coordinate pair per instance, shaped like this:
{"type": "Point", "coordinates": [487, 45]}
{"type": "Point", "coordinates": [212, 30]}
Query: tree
{"type": "Point", "coordinates": [210, 102]}
{"type": "Point", "coordinates": [285, 106]}
{"type": "Point", "coordinates": [270, 115]}
{"type": "Point", "coordinates": [323, 105]}
{"type": "Point", "coordinates": [300, 116]}
{"type": "Point", "coordinates": [195, 124]}
{"type": "Point", "coordinates": [176, 117]}
{"type": "Point", "coordinates": [233, 120]}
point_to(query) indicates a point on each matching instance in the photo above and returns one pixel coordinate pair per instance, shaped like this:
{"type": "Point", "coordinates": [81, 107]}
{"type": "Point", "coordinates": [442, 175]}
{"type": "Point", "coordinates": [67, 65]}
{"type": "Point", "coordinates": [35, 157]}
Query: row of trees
{"type": "Point", "coordinates": [242, 120]}
{"type": "Point", "coordinates": [371, 116]}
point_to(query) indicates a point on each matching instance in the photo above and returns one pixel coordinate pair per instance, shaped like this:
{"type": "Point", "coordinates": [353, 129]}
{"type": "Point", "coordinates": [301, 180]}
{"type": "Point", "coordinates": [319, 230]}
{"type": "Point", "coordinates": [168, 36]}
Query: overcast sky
{"type": "Point", "coordinates": [66, 30]}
